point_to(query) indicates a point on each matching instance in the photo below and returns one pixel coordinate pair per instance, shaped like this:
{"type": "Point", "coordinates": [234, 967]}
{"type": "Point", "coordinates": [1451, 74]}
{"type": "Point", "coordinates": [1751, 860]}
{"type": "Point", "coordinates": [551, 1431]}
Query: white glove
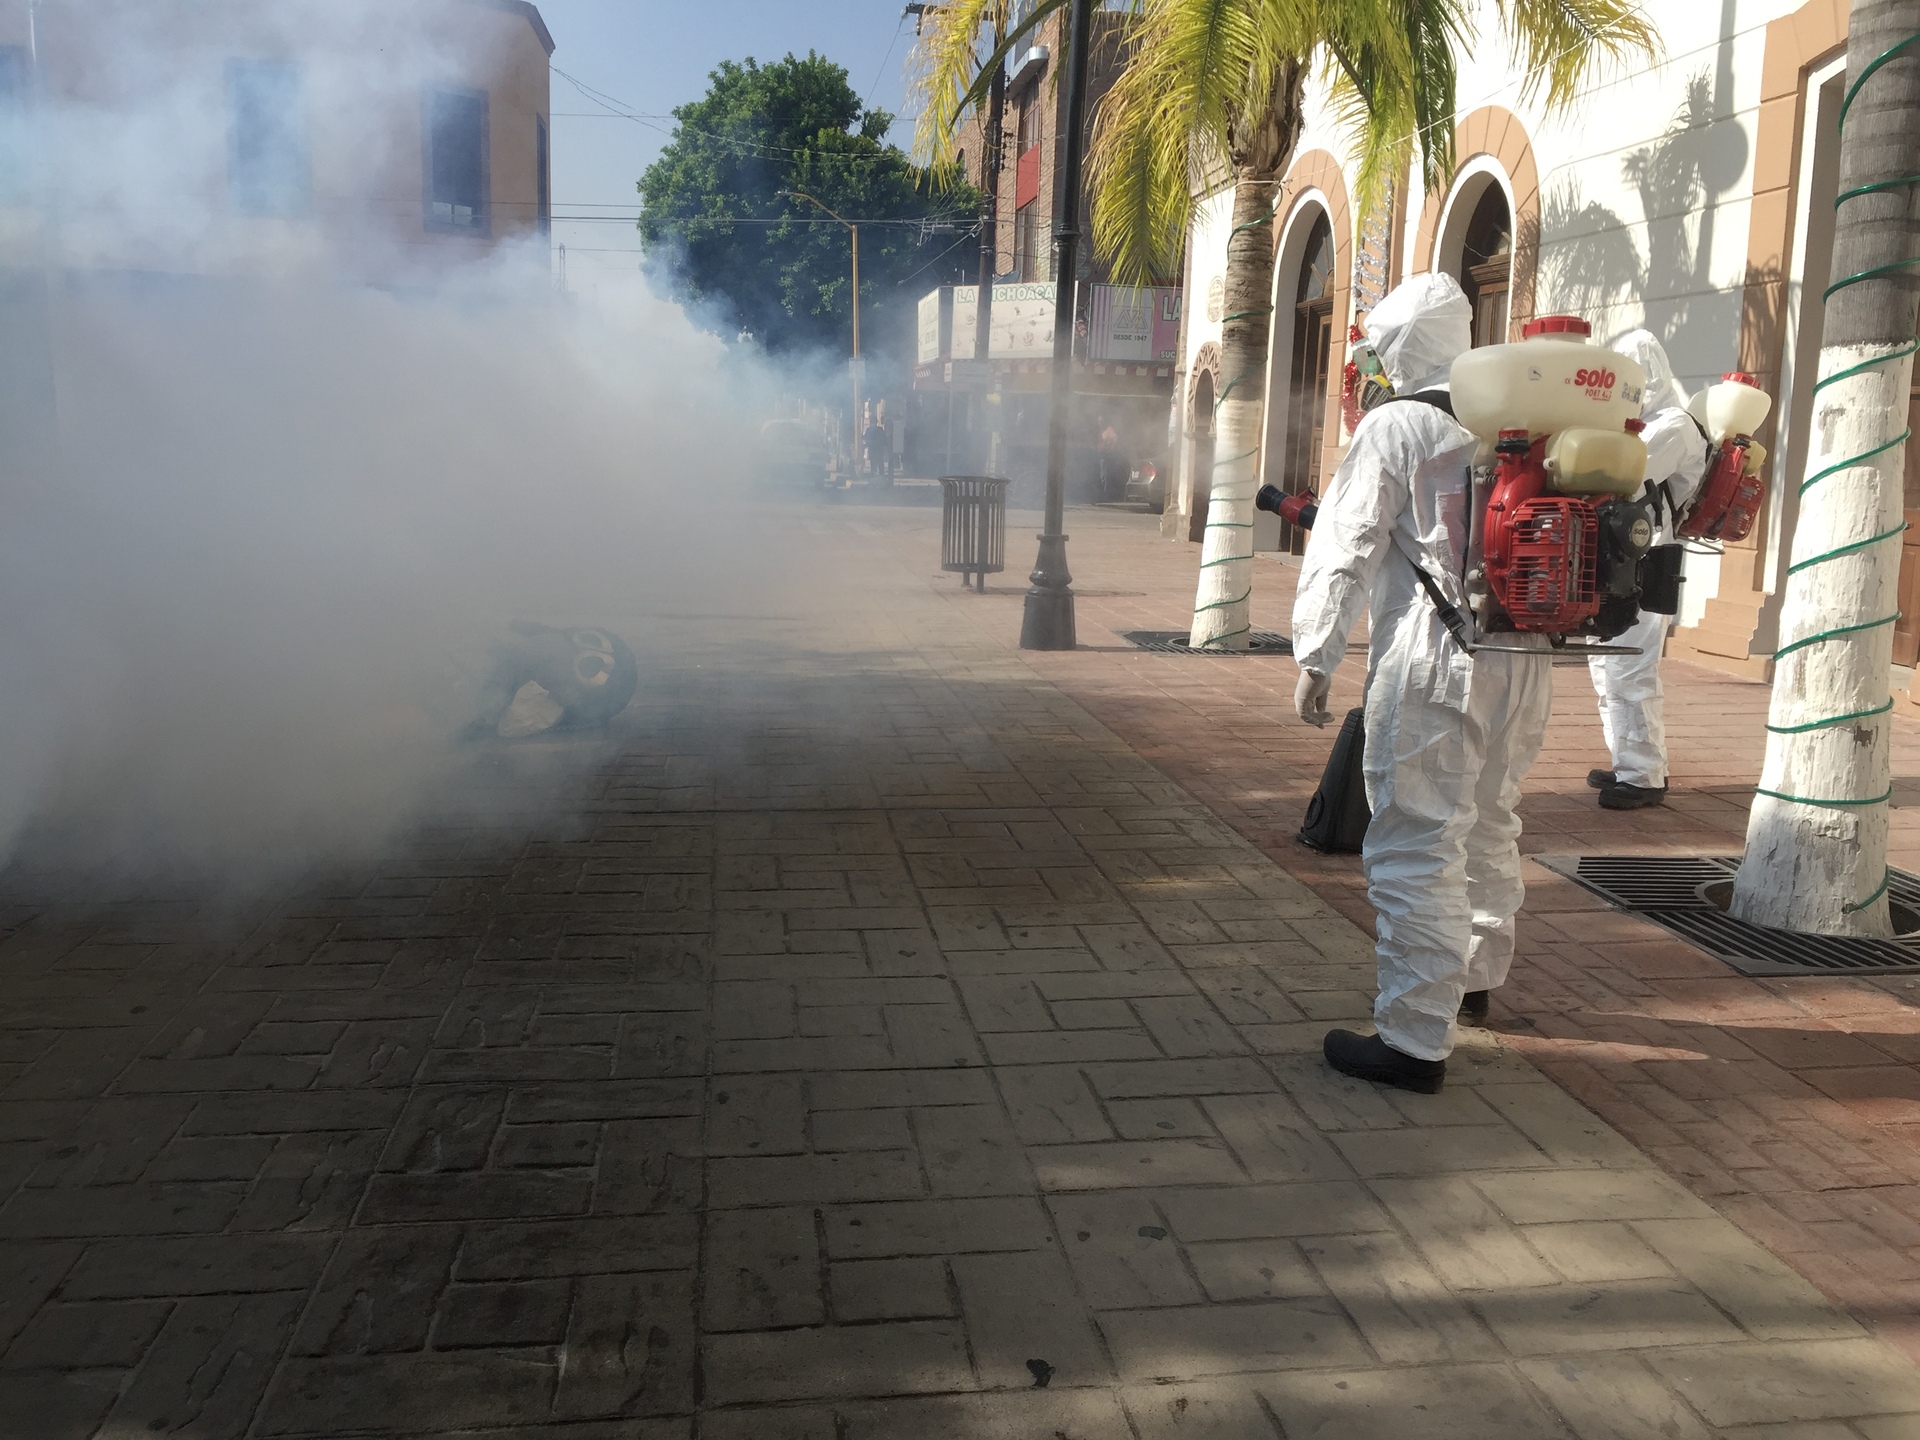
{"type": "Point", "coordinates": [1310, 697]}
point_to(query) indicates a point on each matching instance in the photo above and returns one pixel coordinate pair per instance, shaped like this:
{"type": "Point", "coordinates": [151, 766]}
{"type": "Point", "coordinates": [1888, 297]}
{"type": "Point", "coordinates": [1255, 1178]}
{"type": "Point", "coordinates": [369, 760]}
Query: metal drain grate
{"type": "Point", "coordinates": [1174, 642]}
{"type": "Point", "coordinates": [1669, 890]}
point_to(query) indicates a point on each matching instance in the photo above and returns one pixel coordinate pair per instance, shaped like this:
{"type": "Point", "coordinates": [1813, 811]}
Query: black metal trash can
{"type": "Point", "coordinates": [973, 526]}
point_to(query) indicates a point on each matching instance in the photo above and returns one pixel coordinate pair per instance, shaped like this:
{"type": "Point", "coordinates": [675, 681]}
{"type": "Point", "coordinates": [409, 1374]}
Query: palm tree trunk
{"type": "Point", "coordinates": [1817, 835]}
{"type": "Point", "coordinates": [1222, 609]}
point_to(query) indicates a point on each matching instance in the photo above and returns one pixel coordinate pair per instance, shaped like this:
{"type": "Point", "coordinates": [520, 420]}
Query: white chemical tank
{"type": "Point", "coordinates": [1553, 379]}
{"type": "Point", "coordinates": [1733, 405]}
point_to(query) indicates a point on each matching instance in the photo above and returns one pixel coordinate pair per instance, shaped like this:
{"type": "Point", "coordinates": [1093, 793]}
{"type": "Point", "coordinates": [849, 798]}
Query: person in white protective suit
{"type": "Point", "coordinates": [1632, 710]}
{"type": "Point", "coordinates": [1448, 734]}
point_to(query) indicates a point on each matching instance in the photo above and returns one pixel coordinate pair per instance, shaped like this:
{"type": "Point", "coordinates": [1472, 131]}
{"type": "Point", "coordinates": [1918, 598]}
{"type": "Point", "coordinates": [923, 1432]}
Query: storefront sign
{"type": "Point", "coordinates": [936, 324]}
{"type": "Point", "coordinates": [1141, 324]}
{"type": "Point", "coordinates": [1022, 327]}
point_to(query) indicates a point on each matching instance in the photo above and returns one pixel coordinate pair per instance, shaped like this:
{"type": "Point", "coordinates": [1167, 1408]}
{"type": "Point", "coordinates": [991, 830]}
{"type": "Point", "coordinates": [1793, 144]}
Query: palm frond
{"type": "Point", "coordinates": [944, 65]}
{"type": "Point", "coordinates": [1562, 44]}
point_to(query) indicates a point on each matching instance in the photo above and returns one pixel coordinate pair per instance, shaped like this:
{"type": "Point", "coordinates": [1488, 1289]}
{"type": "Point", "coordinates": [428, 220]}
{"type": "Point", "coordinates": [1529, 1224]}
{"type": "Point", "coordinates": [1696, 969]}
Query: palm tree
{"type": "Point", "coordinates": [1217, 88]}
{"type": "Point", "coordinates": [1816, 856]}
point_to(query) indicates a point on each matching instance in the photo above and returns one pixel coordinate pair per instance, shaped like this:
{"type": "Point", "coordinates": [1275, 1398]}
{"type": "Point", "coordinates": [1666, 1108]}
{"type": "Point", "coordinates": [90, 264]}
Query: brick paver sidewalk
{"type": "Point", "coordinates": [1792, 1105]}
{"type": "Point", "coordinates": [877, 1045]}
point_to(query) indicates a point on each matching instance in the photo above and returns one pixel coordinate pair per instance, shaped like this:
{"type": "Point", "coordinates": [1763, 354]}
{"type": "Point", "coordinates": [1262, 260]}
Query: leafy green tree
{"type": "Point", "coordinates": [719, 214]}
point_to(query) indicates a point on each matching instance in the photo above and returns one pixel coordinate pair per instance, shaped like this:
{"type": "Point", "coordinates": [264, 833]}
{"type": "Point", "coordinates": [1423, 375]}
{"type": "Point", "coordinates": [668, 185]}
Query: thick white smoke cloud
{"type": "Point", "coordinates": [243, 606]}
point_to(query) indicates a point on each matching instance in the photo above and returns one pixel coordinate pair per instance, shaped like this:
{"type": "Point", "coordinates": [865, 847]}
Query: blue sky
{"type": "Point", "coordinates": [649, 56]}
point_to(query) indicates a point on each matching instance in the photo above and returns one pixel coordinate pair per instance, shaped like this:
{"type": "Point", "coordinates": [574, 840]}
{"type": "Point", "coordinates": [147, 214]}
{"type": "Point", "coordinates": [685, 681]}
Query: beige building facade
{"type": "Point", "coordinates": [370, 141]}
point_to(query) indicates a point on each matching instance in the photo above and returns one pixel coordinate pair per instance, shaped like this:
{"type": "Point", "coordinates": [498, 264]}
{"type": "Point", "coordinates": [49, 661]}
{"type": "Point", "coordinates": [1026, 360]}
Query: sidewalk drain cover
{"type": "Point", "coordinates": [1174, 642]}
{"type": "Point", "coordinates": [1676, 892]}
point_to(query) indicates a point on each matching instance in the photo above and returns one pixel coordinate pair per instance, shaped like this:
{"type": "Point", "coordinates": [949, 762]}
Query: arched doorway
{"type": "Point", "coordinates": [1486, 264]}
{"type": "Point", "coordinates": [1307, 375]}
{"type": "Point", "coordinates": [1202, 431]}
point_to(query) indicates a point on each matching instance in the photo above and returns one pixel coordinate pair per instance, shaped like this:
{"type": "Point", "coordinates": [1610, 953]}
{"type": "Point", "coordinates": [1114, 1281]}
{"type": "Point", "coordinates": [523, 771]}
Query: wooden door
{"type": "Point", "coordinates": [1202, 432]}
{"type": "Point", "coordinates": [1306, 409]}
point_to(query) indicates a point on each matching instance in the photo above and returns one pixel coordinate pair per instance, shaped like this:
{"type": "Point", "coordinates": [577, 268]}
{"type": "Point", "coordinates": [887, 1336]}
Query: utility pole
{"type": "Point", "coordinates": [990, 229]}
{"type": "Point", "coordinates": [1048, 621]}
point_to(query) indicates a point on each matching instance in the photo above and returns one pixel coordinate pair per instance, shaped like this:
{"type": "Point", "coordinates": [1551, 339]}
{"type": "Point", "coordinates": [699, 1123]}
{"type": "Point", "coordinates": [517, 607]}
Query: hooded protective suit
{"type": "Point", "coordinates": [1449, 735]}
{"type": "Point", "coordinates": [1632, 707]}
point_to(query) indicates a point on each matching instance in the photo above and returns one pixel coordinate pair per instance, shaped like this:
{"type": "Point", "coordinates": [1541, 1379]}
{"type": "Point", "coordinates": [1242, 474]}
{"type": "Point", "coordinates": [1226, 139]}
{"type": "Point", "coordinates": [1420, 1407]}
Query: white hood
{"type": "Point", "coordinates": [1663, 392]}
{"type": "Point", "coordinates": [1418, 330]}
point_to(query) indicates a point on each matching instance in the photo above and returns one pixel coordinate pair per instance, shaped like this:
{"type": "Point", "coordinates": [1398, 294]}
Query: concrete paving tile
{"type": "Point", "coordinates": [971, 1150]}
{"type": "Point", "coordinates": [1439, 1150]}
{"type": "Point", "coordinates": [1758, 1383]}
{"type": "Point", "coordinates": [1058, 1414]}
{"type": "Point", "coordinates": [1070, 1047]}
{"type": "Point", "coordinates": [1118, 1163]}
{"type": "Point", "coordinates": [903, 1289]}
{"type": "Point", "coordinates": [1403, 1308]}
{"type": "Point", "coordinates": [814, 1179]}
{"type": "Point", "coordinates": [1597, 1251]}
{"type": "Point", "coordinates": [1121, 1251]}
{"type": "Point", "coordinates": [937, 1227]}
{"type": "Point", "coordinates": [1198, 1410]}
{"type": "Point", "coordinates": [629, 1349]}
{"type": "Point", "coordinates": [1158, 1119]}
{"type": "Point", "coordinates": [207, 1369]}
{"type": "Point", "coordinates": [1179, 1077]}
{"type": "Point", "coordinates": [400, 1392]}
{"type": "Point", "coordinates": [761, 1271]}
{"type": "Point", "coordinates": [1462, 1235]}
{"type": "Point", "coordinates": [1254, 1212]}
{"type": "Point", "coordinates": [1535, 1199]}
{"type": "Point", "coordinates": [1273, 1140]}
{"type": "Point", "coordinates": [1253, 1270]}
{"type": "Point", "coordinates": [1439, 1402]}
{"type": "Point", "coordinates": [1769, 1300]}
{"type": "Point", "coordinates": [1613, 1397]}
{"type": "Point", "coordinates": [898, 1358]}
{"type": "Point", "coordinates": [1022, 1309]}
{"type": "Point", "coordinates": [756, 1115]}
{"type": "Point", "coordinates": [1182, 1343]}
{"type": "Point", "coordinates": [1566, 1130]}
{"type": "Point", "coordinates": [1616, 1315]}
{"type": "Point", "coordinates": [837, 1091]}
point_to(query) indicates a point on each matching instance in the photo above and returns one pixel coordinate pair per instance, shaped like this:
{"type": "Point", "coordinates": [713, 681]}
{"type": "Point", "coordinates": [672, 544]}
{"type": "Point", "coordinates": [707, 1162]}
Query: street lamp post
{"type": "Point", "coordinates": [856, 367]}
{"type": "Point", "coordinates": [1048, 621]}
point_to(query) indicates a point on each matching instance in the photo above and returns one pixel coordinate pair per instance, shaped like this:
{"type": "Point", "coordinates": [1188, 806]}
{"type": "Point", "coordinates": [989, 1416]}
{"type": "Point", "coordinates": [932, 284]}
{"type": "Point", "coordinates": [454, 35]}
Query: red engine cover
{"type": "Point", "coordinates": [1730, 498]}
{"type": "Point", "coordinates": [1540, 549]}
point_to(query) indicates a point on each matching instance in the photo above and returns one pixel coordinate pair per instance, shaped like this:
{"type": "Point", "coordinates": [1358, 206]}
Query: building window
{"type": "Point", "coordinates": [1029, 128]}
{"type": "Point", "coordinates": [1026, 236]}
{"type": "Point", "coordinates": [1486, 265]}
{"type": "Point", "coordinates": [457, 162]}
{"type": "Point", "coordinates": [15, 76]}
{"type": "Point", "coordinates": [268, 171]}
{"type": "Point", "coordinates": [543, 175]}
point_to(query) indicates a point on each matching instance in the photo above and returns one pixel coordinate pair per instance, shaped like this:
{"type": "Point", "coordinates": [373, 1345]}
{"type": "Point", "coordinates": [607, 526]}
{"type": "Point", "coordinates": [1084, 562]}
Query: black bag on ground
{"type": "Point", "coordinates": [1337, 815]}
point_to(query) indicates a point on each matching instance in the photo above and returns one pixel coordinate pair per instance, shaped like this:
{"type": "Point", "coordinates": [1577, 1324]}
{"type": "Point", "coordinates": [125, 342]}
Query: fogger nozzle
{"type": "Point", "coordinates": [1298, 509]}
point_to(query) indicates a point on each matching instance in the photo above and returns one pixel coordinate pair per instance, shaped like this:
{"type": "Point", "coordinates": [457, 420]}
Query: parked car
{"type": "Point", "coordinates": [1147, 485]}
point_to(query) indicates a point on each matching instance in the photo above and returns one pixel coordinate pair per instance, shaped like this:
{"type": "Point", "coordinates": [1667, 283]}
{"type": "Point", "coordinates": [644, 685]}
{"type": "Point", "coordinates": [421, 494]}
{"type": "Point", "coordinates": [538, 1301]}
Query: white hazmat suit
{"type": "Point", "coordinates": [1449, 735]}
{"type": "Point", "coordinates": [1632, 704]}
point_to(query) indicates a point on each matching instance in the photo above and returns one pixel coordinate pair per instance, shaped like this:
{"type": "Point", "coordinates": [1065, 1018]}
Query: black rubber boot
{"type": "Point", "coordinates": [1631, 797]}
{"type": "Point", "coordinates": [1599, 779]}
{"type": "Point", "coordinates": [1474, 1006]}
{"type": "Point", "coordinates": [1368, 1057]}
